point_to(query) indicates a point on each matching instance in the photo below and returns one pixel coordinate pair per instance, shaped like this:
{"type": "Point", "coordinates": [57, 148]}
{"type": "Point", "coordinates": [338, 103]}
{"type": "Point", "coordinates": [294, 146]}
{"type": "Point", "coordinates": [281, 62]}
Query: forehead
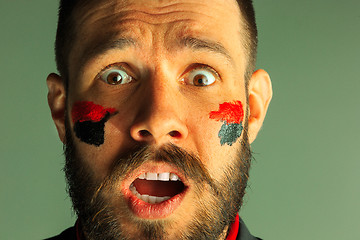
{"type": "Point", "coordinates": [156, 11]}
{"type": "Point", "coordinates": [156, 23]}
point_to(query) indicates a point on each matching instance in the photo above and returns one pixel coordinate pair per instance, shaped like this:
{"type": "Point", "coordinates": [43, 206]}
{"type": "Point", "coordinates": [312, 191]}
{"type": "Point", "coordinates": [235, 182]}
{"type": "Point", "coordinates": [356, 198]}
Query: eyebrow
{"type": "Point", "coordinates": [208, 45]}
{"type": "Point", "coordinates": [120, 43]}
{"type": "Point", "coordinates": [103, 46]}
{"type": "Point", "coordinates": [194, 43]}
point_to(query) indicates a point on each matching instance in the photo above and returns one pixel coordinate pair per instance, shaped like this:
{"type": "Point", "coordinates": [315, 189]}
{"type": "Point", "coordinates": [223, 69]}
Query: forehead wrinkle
{"type": "Point", "coordinates": [153, 12]}
{"type": "Point", "coordinates": [90, 13]}
{"type": "Point", "coordinates": [149, 18]}
{"type": "Point", "coordinates": [123, 18]}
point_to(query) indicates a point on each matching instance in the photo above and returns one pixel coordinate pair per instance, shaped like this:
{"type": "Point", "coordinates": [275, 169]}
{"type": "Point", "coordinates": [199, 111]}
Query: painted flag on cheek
{"type": "Point", "coordinates": [89, 121]}
{"type": "Point", "coordinates": [232, 115]}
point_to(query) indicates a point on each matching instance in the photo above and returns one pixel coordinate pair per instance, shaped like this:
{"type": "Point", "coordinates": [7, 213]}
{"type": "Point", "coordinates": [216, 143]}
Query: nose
{"type": "Point", "coordinates": [160, 119]}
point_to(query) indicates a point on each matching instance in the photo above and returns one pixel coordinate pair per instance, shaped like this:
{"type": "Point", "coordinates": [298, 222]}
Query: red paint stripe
{"type": "Point", "coordinates": [89, 111]}
{"type": "Point", "coordinates": [230, 112]}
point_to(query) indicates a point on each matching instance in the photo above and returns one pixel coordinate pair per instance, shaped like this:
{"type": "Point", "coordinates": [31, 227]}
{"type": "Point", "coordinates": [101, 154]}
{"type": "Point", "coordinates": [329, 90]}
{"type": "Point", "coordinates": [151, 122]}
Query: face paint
{"type": "Point", "coordinates": [89, 121]}
{"type": "Point", "coordinates": [232, 114]}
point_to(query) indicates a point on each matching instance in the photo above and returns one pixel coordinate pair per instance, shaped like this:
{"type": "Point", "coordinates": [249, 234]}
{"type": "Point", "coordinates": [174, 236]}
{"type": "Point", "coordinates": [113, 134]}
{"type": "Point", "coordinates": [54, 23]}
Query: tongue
{"type": "Point", "coordinates": [158, 188]}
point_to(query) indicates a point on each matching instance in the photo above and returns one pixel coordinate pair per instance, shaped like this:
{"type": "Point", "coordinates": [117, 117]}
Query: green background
{"type": "Point", "coordinates": [305, 180]}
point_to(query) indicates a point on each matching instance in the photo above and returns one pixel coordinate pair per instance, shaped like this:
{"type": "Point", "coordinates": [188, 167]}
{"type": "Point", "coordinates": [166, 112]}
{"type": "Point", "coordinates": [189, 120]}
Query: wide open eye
{"type": "Point", "coordinates": [202, 76]}
{"type": "Point", "coordinates": [115, 75]}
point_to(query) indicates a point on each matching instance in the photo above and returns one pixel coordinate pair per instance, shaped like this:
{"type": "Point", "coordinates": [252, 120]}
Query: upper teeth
{"type": "Point", "coordinates": [159, 176]}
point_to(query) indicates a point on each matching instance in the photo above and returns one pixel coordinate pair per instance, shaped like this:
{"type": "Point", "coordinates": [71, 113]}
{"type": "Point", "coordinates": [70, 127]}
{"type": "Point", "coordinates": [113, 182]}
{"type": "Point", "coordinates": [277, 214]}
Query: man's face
{"type": "Point", "coordinates": [157, 89]}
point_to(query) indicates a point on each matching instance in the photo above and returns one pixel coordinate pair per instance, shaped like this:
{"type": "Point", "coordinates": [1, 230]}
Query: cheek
{"type": "Point", "coordinates": [229, 133]}
{"type": "Point", "coordinates": [90, 132]}
{"type": "Point", "coordinates": [231, 114]}
{"type": "Point", "coordinates": [89, 121]}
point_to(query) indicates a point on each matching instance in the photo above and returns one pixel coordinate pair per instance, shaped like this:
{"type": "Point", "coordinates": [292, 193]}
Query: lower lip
{"type": "Point", "coordinates": [146, 210]}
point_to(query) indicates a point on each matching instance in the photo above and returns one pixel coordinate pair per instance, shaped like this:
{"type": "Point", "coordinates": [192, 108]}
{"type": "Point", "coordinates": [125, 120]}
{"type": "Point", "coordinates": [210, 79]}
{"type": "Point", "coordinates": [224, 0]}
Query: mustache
{"type": "Point", "coordinates": [189, 163]}
{"type": "Point", "coordinates": [76, 168]}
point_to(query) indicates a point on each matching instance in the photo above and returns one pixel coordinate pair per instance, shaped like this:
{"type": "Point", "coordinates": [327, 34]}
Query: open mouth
{"type": "Point", "coordinates": [156, 188]}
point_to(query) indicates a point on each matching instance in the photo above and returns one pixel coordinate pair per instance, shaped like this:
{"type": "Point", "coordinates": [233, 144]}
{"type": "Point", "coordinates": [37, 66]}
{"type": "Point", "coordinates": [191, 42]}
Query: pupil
{"type": "Point", "coordinates": [115, 78]}
{"type": "Point", "coordinates": [200, 80]}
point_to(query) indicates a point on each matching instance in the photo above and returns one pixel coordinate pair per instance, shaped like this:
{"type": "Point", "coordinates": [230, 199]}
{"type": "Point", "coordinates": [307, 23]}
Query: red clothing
{"type": "Point", "coordinates": [234, 229]}
{"type": "Point", "coordinates": [238, 231]}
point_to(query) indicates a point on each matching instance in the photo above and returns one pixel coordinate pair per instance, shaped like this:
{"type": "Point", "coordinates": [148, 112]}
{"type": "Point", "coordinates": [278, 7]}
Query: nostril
{"type": "Point", "coordinates": [175, 134]}
{"type": "Point", "coordinates": [144, 133]}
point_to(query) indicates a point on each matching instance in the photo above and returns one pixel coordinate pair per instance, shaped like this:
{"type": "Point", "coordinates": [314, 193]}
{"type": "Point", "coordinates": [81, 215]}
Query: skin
{"type": "Point", "coordinates": [157, 102]}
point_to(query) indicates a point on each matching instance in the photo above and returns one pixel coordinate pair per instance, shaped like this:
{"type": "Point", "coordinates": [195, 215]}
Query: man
{"type": "Point", "coordinates": [156, 104]}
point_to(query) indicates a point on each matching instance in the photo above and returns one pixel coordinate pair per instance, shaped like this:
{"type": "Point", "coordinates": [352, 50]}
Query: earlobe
{"type": "Point", "coordinates": [57, 102]}
{"type": "Point", "coordinates": [260, 94]}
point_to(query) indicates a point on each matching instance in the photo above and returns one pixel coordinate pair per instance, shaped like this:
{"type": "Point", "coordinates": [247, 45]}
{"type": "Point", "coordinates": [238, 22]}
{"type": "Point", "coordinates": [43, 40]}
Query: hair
{"type": "Point", "coordinates": [66, 34]}
{"type": "Point", "coordinates": [251, 39]}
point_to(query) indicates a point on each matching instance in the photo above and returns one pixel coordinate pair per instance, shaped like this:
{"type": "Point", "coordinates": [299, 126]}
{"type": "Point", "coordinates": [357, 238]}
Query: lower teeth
{"type": "Point", "coordinates": [147, 198]}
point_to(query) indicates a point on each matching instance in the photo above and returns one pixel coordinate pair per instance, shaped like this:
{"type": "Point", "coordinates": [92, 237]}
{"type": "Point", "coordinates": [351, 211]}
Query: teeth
{"type": "Point", "coordinates": [147, 198]}
{"type": "Point", "coordinates": [132, 188]}
{"type": "Point", "coordinates": [161, 199]}
{"type": "Point", "coordinates": [151, 176]}
{"type": "Point", "coordinates": [173, 177]}
{"type": "Point", "coordinates": [152, 199]}
{"type": "Point", "coordinates": [159, 176]}
{"type": "Point", "coordinates": [163, 176]}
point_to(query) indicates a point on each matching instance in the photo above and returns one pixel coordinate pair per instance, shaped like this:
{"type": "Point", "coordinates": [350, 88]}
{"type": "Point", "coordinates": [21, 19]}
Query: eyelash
{"type": "Point", "coordinates": [119, 65]}
{"type": "Point", "coordinates": [203, 66]}
{"type": "Point", "coordinates": [189, 69]}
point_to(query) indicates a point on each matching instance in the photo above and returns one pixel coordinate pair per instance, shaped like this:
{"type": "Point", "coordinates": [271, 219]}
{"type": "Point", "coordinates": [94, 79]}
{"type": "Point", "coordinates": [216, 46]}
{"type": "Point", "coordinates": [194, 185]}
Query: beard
{"type": "Point", "coordinates": [102, 212]}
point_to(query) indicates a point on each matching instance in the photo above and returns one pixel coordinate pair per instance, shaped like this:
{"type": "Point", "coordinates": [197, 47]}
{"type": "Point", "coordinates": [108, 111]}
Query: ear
{"type": "Point", "coordinates": [260, 94]}
{"type": "Point", "coordinates": [57, 102]}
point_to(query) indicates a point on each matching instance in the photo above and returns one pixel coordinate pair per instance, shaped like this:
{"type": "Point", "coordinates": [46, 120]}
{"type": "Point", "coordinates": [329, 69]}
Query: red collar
{"type": "Point", "coordinates": [234, 229]}
{"type": "Point", "coordinates": [78, 235]}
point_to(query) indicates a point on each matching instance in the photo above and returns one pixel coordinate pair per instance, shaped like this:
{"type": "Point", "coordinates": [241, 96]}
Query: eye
{"type": "Point", "coordinates": [115, 75]}
{"type": "Point", "coordinates": [201, 76]}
